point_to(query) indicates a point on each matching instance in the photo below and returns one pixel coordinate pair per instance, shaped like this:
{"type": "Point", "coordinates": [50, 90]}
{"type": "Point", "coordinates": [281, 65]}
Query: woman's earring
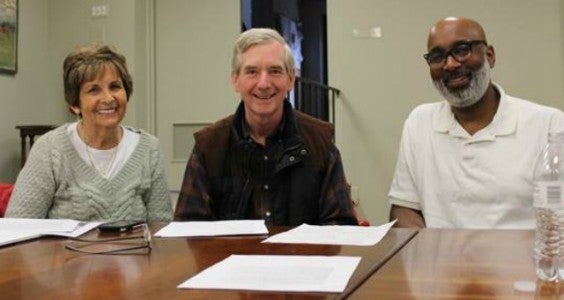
{"type": "Point", "coordinates": [76, 111]}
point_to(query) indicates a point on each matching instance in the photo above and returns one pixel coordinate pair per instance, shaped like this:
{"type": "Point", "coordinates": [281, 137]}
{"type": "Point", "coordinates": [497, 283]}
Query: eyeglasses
{"type": "Point", "coordinates": [116, 245]}
{"type": "Point", "coordinates": [461, 51]}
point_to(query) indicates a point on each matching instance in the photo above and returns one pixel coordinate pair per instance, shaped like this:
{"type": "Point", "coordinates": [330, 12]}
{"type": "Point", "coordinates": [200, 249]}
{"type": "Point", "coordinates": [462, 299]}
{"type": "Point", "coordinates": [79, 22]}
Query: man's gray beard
{"type": "Point", "coordinates": [470, 95]}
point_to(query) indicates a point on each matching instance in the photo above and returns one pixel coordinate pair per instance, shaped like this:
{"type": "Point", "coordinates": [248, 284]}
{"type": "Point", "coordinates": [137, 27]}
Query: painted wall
{"type": "Point", "coordinates": [194, 42]}
{"type": "Point", "coordinates": [384, 78]}
{"type": "Point", "coordinates": [71, 24]}
{"type": "Point", "coordinates": [48, 31]}
{"type": "Point", "coordinates": [29, 96]}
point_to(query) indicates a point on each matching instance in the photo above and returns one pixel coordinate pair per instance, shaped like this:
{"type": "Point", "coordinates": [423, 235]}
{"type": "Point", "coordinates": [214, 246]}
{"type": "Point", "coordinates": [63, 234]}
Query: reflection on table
{"type": "Point", "coordinates": [43, 268]}
{"type": "Point", "coordinates": [461, 264]}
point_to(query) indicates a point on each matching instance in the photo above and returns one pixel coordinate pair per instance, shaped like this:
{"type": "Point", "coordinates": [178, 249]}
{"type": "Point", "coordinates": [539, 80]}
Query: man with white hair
{"type": "Point", "coordinates": [468, 162]}
{"type": "Point", "coordinates": [267, 161]}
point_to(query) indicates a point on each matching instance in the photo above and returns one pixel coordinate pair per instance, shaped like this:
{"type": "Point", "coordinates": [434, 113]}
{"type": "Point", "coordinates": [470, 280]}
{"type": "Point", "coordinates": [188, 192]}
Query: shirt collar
{"type": "Point", "coordinates": [503, 123]}
{"type": "Point", "coordinates": [245, 131]}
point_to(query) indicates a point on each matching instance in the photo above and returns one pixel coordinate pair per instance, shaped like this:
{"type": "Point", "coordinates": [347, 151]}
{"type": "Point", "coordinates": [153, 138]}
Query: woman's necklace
{"type": "Point", "coordinates": [106, 171]}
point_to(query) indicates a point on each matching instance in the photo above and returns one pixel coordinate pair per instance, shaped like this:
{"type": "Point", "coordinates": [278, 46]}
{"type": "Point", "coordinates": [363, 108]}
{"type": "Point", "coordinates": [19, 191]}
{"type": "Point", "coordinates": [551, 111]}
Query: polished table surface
{"type": "Point", "coordinates": [44, 269]}
{"type": "Point", "coordinates": [461, 264]}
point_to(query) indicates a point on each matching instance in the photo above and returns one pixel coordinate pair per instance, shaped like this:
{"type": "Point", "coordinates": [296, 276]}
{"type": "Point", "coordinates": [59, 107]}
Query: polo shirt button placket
{"type": "Point", "coordinates": [467, 151]}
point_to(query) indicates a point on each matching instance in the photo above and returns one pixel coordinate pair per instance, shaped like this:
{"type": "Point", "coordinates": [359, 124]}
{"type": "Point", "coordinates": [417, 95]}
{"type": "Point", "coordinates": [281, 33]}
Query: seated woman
{"type": "Point", "coordinates": [94, 169]}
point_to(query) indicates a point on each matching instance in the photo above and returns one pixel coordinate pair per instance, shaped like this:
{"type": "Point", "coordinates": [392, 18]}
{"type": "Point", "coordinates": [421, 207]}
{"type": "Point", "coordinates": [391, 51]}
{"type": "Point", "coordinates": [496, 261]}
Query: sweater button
{"type": "Point", "coordinates": [292, 158]}
{"type": "Point", "coordinates": [266, 187]}
{"type": "Point", "coordinates": [303, 152]}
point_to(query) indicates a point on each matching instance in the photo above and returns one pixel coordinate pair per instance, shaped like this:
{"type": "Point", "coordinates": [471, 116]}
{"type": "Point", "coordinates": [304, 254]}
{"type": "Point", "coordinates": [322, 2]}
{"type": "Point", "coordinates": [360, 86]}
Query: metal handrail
{"type": "Point", "coordinates": [315, 98]}
{"type": "Point", "coordinates": [319, 84]}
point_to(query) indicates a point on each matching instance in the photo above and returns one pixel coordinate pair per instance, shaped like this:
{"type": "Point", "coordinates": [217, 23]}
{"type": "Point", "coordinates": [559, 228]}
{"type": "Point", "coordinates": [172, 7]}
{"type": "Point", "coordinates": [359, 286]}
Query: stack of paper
{"type": "Point", "coordinates": [213, 228]}
{"type": "Point", "coordinates": [332, 235]}
{"type": "Point", "coordinates": [289, 273]}
{"type": "Point", "coordinates": [16, 230]}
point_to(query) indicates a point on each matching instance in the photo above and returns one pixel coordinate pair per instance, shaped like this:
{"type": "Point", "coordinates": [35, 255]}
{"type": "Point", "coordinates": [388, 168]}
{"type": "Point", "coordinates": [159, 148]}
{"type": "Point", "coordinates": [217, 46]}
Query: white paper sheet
{"type": "Point", "coordinates": [290, 273]}
{"type": "Point", "coordinates": [332, 235]}
{"type": "Point", "coordinates": [9, 237]}
{"type": "Point", "coordinates": [213, 228]}
{"type": "Point", "coordinates": [80, 229]}
{"type": "Point", "coordinates": [13, 230]}
{"type": "Point", "coordinates": [41, 225]}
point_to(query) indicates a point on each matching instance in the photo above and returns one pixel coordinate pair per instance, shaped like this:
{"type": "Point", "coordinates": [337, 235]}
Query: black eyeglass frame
{"type": "Point", "coordinates": [446, 54]}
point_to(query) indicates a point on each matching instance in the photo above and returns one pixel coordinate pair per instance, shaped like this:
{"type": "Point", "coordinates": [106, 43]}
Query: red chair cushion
{"type": "Point", "coordinates": [5, 193]}
{"type": "Point", "coordinates": [363, 223]}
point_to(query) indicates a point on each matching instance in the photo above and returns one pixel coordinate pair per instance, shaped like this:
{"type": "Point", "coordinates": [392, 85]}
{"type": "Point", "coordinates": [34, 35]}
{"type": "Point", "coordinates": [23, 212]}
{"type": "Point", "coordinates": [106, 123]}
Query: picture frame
{"type": "Point", "coordinates": [8, 36]}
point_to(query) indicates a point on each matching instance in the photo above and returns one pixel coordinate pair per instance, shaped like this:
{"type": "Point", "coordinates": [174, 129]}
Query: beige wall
{"type": "Point", "coordinates": [71, 25]}
{"type": "Point", "coordinates": [193, 53]}
{"type": "Point", "coordinates": [28, 96]}
{"type": "Point", "coordinates": [383, 79]}
{"type": "Point", "coordinates": [562, 42]}
{"type": "Point", "coordinates": [48, 30]}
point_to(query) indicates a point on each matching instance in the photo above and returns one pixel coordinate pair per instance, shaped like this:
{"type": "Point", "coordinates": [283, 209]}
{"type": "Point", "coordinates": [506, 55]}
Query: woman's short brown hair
{"type": "Point", "coordinates": [86, 63]}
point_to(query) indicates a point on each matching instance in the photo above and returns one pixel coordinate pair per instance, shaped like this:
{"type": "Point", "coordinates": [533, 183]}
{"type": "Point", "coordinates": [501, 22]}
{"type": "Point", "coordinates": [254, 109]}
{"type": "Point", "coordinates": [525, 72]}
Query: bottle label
{"type": "Point", "coordinates": [548, 194]}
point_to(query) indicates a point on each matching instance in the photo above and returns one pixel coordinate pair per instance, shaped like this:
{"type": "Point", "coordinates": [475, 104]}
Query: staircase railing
{"type": "Point", "coordinates": [315, 98]}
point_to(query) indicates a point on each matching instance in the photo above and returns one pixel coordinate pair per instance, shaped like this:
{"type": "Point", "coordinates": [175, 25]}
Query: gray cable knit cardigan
{"type": "Point", "coordinates": [56, 183]}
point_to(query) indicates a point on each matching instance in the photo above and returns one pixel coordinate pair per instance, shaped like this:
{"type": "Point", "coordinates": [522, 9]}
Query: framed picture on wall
{"type": "Point", "coordinates": [8, 36]}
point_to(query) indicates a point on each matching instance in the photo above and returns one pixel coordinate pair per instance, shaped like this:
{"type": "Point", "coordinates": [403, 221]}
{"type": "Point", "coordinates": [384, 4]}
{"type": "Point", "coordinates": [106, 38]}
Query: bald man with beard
{"type": "Point", "coordinates": [467, 162]}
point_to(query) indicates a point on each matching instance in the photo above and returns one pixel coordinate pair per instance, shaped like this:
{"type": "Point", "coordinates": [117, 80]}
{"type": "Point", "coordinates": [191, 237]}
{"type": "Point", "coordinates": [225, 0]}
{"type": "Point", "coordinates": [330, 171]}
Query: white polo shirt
{"type": "Point", "coordinates": [480, 181]}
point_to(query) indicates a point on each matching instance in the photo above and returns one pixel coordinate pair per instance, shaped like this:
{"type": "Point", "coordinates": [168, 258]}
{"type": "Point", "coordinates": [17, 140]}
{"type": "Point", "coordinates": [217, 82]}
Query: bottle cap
{"type": "Point", "coordinates": [525, 286]}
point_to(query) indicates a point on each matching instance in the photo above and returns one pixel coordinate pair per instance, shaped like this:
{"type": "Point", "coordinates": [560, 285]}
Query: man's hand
{"type": "Point", "coordinates": [407, 217]}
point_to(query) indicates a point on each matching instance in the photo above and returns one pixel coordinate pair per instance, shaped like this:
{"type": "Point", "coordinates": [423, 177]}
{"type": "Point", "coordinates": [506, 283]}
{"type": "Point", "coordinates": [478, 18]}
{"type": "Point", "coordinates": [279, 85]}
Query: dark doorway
{"type": "Point", "coordinates": [303, 25]}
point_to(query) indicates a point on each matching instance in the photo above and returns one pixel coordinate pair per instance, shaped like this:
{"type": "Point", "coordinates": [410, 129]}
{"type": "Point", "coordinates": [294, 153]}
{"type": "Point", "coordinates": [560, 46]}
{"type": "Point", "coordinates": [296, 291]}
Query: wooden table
{"type": "Point", "coordinates": [44, 269]}
{"type": "Point", "coordinates": [460, 264]}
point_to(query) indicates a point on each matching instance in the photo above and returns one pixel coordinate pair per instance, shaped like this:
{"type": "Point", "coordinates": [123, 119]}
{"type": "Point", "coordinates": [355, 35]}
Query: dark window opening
{"type": "Point", "coordinates": [303, 24]}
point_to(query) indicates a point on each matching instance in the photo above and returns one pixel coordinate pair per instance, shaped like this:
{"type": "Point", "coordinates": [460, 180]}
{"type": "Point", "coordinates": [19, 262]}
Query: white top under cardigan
{"type": "Point", "coordinates": [108, 162]}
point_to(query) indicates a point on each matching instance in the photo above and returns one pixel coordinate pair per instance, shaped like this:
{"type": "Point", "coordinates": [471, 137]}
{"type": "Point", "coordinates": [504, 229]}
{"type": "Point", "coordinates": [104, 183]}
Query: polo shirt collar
{"type": "Point", "coordinates": [503, 123]}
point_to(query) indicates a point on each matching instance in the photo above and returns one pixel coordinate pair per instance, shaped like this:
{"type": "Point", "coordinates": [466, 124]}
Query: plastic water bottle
{"type": "Point", "coordinates": [548, 200]}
